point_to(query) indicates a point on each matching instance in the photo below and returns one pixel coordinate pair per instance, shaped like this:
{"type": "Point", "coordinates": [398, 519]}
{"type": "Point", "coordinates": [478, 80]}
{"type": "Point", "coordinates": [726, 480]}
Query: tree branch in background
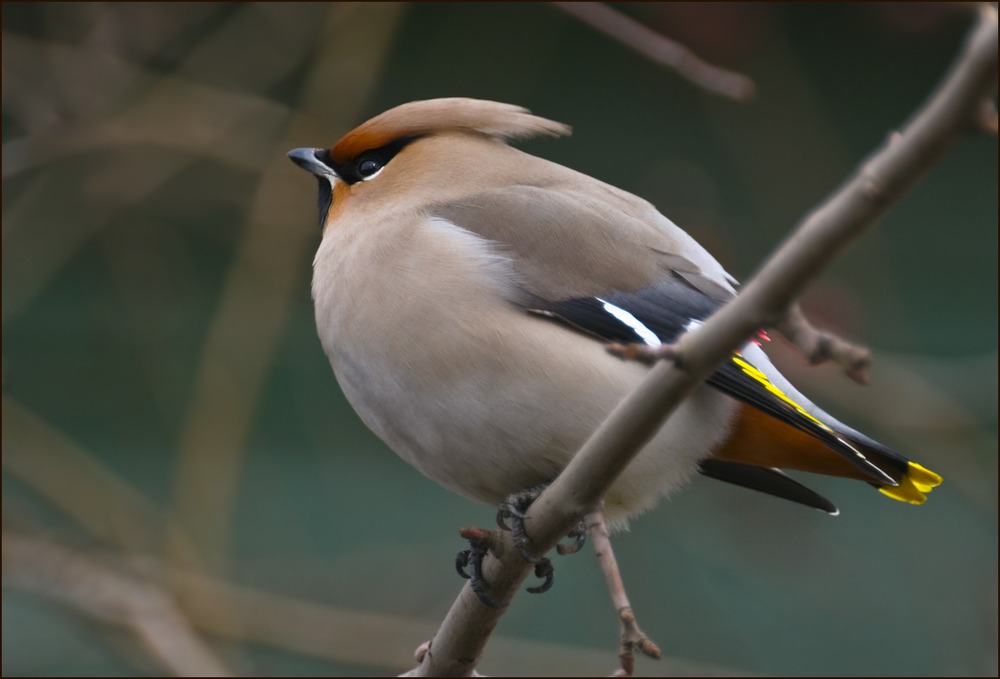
{"type": "Point", "coordinates": [950, 112]}
{"type": "Point", "coordinates": [113, 596]}
{"type": "Point", "coordinates": [662, 50]}
{"type": "Point", "coordinates": [986, 117]}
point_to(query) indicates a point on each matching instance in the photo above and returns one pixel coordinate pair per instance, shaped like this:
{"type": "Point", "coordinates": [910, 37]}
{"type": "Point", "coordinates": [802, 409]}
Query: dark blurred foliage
{"type": "Point", "coordinates": [172, 432]}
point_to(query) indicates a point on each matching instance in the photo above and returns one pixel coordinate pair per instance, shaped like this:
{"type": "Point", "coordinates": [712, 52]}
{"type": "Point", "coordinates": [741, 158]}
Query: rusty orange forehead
{"type": "Point", "coordinates": [362, 139]}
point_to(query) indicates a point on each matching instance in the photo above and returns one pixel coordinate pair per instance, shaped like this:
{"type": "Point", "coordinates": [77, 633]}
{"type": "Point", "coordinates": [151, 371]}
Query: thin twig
{"type": "Point", "coordinates": [822, 345]}
{"type": "Point", "coordinates": [661, 50]}
{"type": "Point", "coordinates": [632, 637]}
{"type": "Point", "coordinates": [823, 235]}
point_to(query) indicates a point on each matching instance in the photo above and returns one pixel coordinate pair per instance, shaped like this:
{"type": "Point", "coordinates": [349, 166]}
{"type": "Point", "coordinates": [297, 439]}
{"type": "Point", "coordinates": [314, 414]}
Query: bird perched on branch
{"type": "Point", "coordinates": [465, 295]}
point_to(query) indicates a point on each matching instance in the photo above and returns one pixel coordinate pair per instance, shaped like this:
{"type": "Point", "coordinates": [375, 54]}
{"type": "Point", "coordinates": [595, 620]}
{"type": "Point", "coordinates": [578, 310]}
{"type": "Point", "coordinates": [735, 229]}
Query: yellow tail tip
{"type": "Point", "coordinates": [914, 485]}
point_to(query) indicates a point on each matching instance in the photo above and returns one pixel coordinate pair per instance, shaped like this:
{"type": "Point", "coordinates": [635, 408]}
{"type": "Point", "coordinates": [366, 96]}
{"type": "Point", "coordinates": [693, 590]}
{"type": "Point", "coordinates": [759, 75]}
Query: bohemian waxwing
{"type": "Point", "coordinates": [466, 291]}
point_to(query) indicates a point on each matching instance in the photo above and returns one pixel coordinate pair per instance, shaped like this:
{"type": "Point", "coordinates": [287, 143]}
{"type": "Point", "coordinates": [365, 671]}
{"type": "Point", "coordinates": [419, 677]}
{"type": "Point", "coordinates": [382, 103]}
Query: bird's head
{"type": "Point", "coordinates": [410, 154]}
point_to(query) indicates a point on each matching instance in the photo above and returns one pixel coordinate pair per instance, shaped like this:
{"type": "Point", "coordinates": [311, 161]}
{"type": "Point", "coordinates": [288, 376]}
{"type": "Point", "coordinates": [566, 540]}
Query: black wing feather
{"type": "Point", "coordinates": [668, 310]}
{"type": "Point", "coordinates": [766, 480]}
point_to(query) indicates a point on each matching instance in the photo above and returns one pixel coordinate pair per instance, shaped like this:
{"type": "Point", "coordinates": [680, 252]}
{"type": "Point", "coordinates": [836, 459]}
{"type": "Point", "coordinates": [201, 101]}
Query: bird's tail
{"type": "Point", "coordinates": [913, 481]}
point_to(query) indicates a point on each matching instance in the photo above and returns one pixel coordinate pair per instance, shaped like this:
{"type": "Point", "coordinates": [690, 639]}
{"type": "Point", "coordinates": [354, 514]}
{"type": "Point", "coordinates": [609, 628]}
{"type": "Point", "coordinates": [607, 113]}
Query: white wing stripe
{"type": "Point", "coordinates": [648, 336]}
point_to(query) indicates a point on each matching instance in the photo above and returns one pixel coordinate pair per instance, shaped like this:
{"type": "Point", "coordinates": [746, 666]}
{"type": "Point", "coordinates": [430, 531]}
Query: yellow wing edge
{"type": "Point", "coordinates": [914, 486]}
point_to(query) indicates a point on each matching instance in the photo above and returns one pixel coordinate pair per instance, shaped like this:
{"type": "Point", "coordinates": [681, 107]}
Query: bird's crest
{"type": "Point", "coordinates": [419, 118]}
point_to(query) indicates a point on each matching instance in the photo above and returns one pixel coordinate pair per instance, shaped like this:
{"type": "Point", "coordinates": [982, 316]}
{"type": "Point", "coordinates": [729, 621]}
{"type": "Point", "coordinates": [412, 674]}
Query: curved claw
{"type": "Point", "coordinates": [477, 587]}
{"type": "Point", "coordinates": [514, 508]}
{"type": "Point", "coordinates": [462, 560]}
{"type": "Point", "coordinates": [579, 538]}
{"type": "Point", "coordinates": [473, 558]}
{"type": "Point", "coordinates": [543, 569]}
{"type": "Point", "coordinates": [509, 508]}
{"type": "Point", "coordinates": [515, 505]}
{"type": "Point", "coordinates": [521, 541]}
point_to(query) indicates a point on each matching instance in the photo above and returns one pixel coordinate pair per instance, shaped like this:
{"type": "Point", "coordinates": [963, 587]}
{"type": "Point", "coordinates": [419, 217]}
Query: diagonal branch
{"type": "Point", "coordinates": [880, 182]}
{"type": "Point", "coordinates": [661, 50]}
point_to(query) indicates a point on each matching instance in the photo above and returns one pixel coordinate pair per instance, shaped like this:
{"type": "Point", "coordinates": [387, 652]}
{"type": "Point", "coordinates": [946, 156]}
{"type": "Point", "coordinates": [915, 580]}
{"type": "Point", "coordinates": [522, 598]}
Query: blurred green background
{"type": "Point", "coordinates": [185, 488]}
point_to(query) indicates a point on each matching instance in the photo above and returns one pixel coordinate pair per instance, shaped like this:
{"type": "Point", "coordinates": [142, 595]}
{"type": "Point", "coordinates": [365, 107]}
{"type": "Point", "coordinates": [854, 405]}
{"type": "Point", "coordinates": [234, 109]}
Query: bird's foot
{"type": "Point", "coordinates": [510, 516]}
{"type": "Point", "coordinates": [480, 543]}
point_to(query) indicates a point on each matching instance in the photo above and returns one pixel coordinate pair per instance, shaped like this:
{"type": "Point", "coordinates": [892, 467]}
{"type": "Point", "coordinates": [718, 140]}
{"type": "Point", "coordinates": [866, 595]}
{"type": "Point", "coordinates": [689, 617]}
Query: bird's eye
{"type": "Point", "coordinates": [369, 167]}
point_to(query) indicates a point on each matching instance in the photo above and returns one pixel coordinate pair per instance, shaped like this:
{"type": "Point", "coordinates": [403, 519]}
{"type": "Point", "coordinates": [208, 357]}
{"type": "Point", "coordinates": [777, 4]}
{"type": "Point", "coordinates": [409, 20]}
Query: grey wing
{"type": "Point", "coordinates": [566, 242]}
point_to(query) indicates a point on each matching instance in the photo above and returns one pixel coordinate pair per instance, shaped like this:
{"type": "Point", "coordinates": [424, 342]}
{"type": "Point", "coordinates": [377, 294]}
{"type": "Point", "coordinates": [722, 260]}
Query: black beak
{"type": "Point", "coordinates": [309, 160]}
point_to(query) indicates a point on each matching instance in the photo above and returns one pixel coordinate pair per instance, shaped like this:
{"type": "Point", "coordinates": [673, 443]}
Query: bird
{"type": "Point", "coordinates": [466, 293]}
